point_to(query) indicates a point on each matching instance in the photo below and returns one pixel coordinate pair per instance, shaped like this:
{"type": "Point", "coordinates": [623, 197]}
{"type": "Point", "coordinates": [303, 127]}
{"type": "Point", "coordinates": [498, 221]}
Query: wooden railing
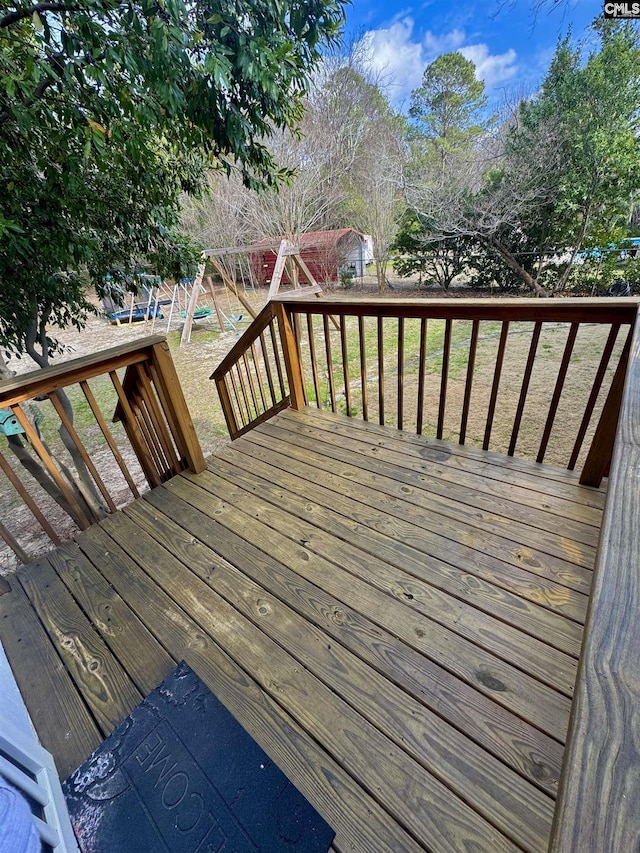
{"type": "Point", "coordinates": [599, 795]}
{"type": "Point", "coordinates": [65, 463]}
{"type": "Point", "coordinates": [540, 379]}
{"type": "Point", "coordinates": [257, 378]}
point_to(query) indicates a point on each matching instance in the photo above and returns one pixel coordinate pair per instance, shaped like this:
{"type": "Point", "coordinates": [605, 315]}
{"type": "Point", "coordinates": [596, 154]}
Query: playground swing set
{"type": "Point", "coordinates": [183, 299]}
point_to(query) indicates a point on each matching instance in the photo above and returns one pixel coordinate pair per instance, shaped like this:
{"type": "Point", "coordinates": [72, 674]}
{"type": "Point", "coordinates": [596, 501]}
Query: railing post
{"type": "Point", "coordinates": [172, 398]}
{"type": "Point", "coordinates": [291, 359]}
{"type": "Point", "coordinates": [598, 459]}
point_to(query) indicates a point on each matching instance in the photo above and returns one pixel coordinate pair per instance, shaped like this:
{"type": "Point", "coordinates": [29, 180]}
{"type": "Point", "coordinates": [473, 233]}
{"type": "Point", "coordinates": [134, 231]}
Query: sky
{"type": "Point", "coordinates": [510, 45]}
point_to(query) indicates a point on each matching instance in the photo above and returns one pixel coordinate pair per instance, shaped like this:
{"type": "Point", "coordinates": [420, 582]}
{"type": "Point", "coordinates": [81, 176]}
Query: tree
{"type": "Point", "coordinates": [566, 171]}
{"type": "Point", "coordinates": [439, 260]}
{"type": "Point", "coordinates": [448, 107]}
{"type": "Point", "coordinates": [107, 112]}
{"type": "Point", "coordinates": [373, 197]}
{"type": "Point", "coordinates": [594, 106]}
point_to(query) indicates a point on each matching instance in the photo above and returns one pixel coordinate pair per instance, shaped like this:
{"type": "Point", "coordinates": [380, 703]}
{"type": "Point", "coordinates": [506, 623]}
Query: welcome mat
{"type": "Point", "coordinates": [182, 775]}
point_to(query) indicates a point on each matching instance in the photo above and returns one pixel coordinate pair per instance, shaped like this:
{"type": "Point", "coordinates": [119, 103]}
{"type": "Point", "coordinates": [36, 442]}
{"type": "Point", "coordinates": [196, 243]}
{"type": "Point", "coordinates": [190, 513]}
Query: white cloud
{"type": "Point", "coordinates": [435, 45]}
{"type": "Point", "coordinates": [397, 57]}
{"type": "Point", "coordinates": [400, 55]}
{"type": "Point", "coordinates": [493, 69]}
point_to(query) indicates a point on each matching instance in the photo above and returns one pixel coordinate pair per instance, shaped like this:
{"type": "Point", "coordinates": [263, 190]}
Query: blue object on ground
{"type": "Point", "coordinates": [138, 314]}
{"type": "Point", "coordinates": [9, 424]}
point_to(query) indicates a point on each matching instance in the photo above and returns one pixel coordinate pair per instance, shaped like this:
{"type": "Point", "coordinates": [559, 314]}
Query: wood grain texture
{"type": "Point", "coordinates": [491, 465]}
{"type": "Point", "coordinates": [361, 823]}
{"type": "Point", "coordinates": [355, 596]}
{"type": "Point", "coordinates": [504, 683]}
{"type": "Point", "coordinates": [106, 687]}
{"type": "Point", "coordinates": [433, 476]}
{"type": "Point", "coordinates": [338, 496]}
{"type": "Point", "coordinates": [447, 823]}
{"type": "Point", "coordinates": [59, 713]}
{"type": "Point", "coordinates": [532, 547]}
{"type": "Point", "coordinates": [404, 574]}
{"type": "Point", "coordinates": [140, 655]}
{"type": "Point", "coordinates": [521, 481]}
{"type": "Point", "coordinates": [600, 797]}
{"type": "Point", "coordinates": [48, 379]}
{"type": "Point", "coordinates": [485, 783]}
{"type": "Point", "coordinates": [521, 747]}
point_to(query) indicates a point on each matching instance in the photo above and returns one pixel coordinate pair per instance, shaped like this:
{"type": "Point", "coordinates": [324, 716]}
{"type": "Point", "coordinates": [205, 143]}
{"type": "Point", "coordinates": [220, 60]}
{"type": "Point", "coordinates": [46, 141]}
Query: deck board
{"type": "Point", "coordinates": [397, 622]}
{"type": "Point", "coordinates": [492, 598]}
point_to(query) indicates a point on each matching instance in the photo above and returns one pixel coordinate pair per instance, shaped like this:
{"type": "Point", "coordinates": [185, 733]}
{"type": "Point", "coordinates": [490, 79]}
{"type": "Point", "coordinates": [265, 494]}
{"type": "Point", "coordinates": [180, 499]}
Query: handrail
{"type": "Point", "coordinates": [140, 381]}
{"type": "Point", "coordinates": [355, 369]}
{"type": "Point", "coordinates": [578, 309]}
{"type": "Point", "coordinates": [599, 795]}
{"type": "Point", "coordinates": [256, 379]}
{"type": "Point", "coordinates": [47, 379]}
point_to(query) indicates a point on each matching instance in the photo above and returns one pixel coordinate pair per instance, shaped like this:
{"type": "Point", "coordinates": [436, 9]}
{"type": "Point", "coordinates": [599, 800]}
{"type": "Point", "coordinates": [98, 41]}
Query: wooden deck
{"type": "Point", "coordinates": [396, 620]}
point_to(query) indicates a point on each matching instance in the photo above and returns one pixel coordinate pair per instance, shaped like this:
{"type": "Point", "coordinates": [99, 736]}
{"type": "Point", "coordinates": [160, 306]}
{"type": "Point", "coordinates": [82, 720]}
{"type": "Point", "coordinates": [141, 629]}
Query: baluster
{"type": "Point", "coordinates": [504, 334]}
{"type": "Point", "coordinates": [593, 396]}
{"type": "Point", "coordinates": [259, 380]}
{"type": "Point", "coordinates": [400, 372]}
{"type": "Point", "coordinates": [14, 544]}
{"type": "Point", "coordinates": [245, 393]}
{"type": "Point", "coordinates": [446, 350]}
{"type": "Point", "coordinates": [596, 465]}
{"type": "Point", "coordinates": [327, 346]}
{"type": "Point", "coordinates": [157, 421]}
{"type": "Point", "coordinates": [525, 387]}
{"type": "Point", "coordinates": [314, 363]}
{"type": "Point", "coordinates": [244, 418]}
{"type": "Point", "coordinates": [267, 367]}
{"type": "Point", "coordinates": [276, 356]}
{"type": "Point", "coordinates": [75, 438]}
{"type": "Point", "coordinates": [363, 368]}
{"type": "Point", "coordinates": [81, 517]}
{"type": "Point", "coordinates": [381, 371]}
{"type": "Point", "coordinates": [297, 332]}
{"type": "Point", "coordinates": [421, 375]}
{"type": "Point", "coordinates": [28, 500]}
{"type": "Point", "coordinates": [469, 382]}
{"type": "Point", "coordinates": [557, 391]}
{"type": "Point", "coordinates": [106, 432]}
{"type": "Point", "coordinates": [134, 432]}
{"type": "Point", "coordinates": [345, 365]}
{"type": "Point", "coordinates": [251, 383]}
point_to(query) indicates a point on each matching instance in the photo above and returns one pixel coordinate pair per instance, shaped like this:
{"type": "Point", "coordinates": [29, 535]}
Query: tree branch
{"type": "Point", "coordinates": [29, 11]}
{"type": "Point", "coordinates": [38, 92]}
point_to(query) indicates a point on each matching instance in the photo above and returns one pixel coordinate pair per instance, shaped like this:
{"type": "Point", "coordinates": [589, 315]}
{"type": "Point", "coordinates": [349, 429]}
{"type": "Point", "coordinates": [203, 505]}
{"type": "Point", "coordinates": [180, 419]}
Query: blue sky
{"type": "Point", "coordinates": [510, 46]}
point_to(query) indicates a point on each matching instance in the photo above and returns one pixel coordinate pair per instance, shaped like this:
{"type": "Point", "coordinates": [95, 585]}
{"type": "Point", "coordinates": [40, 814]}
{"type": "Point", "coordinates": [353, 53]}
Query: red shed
{"type": "Point", "coordinates": [324, 252]}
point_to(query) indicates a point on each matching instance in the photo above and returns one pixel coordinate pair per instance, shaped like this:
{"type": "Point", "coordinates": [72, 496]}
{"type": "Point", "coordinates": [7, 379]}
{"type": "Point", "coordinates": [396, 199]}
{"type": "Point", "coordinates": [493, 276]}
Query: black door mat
{"type": "Point", "coordinates": [180, 774]}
